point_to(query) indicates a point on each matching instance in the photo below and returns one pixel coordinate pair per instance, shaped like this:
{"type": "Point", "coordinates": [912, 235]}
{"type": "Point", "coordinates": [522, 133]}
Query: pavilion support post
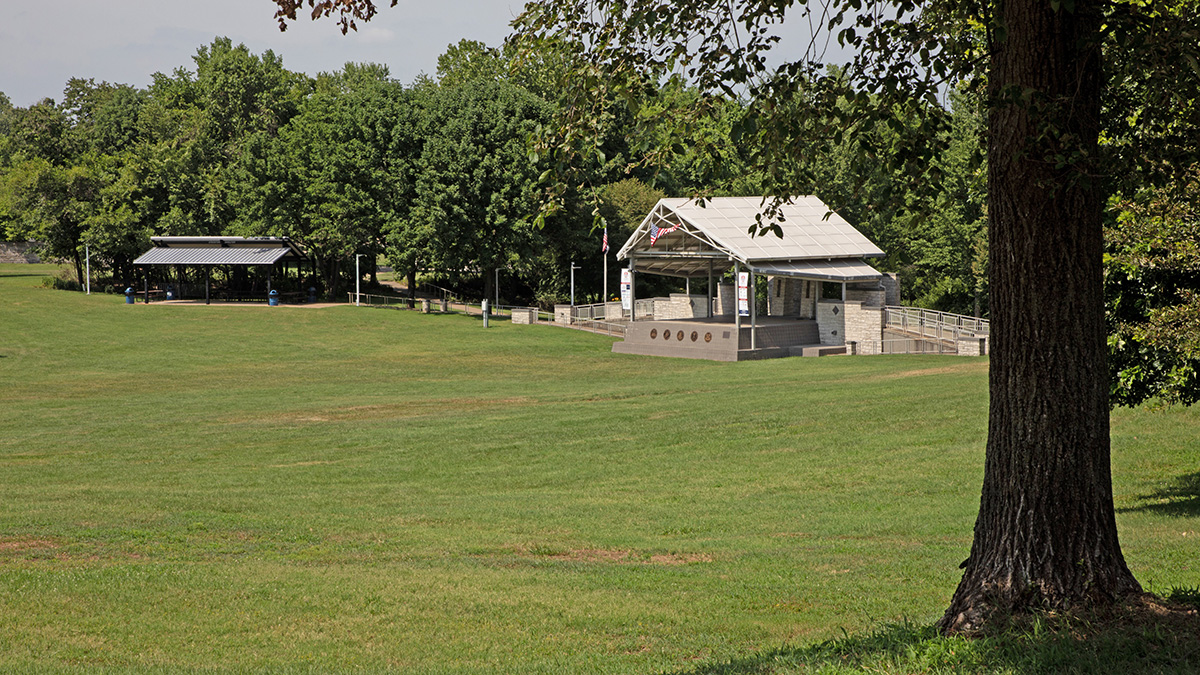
{"type": "Point", "coordinates": [843, 291]}
{"type": "Point", "coordinates": [753, 311]}
{"type": "Point", "coordinates": [632, 291]}
{"type": "Point", "coordinates": [737, 310]}
{"type": "Point", "coordinates": [269, 279]}
{"type": "Point", "coordinates": [708, 314]}
{"type": "Point", "coordinates": [208, 284]}
{"type": "Point", "coordinates": [146, 286]}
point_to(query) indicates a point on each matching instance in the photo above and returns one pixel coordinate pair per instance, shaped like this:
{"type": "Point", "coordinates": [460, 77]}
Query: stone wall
{"type": "Point", "coordinates": [526, 315]}
{"type": "Point", "coordinates": [972, 346]}
{"type": "Point", "coordinates": [871, 296]}
{"type": "Point", "coordinates": [831, 322]}
{"type": "Point", "coordinates": [725, 304]}
{"type": "Point", "coordinates": [864, 326]}
{"type": "Point", "coordinates": [17, 252]}
{"type": "Point", "coordinates": [562, 314]}
{"type": "Point", "coordinates": [891, 286]}
{"type": "Point", "coordinates": [786, 297]}
{"type": "Point", "coordinates": [679, 306]}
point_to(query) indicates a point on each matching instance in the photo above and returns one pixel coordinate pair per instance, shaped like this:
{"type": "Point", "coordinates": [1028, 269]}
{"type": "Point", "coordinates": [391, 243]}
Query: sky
{"type": "Point", "coordinates": [43, 44]}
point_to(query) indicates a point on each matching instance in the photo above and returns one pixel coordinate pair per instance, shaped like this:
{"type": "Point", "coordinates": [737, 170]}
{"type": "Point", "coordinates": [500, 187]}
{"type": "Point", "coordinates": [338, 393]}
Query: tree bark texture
{"type": "Point", "coordinates": [1046, 533]}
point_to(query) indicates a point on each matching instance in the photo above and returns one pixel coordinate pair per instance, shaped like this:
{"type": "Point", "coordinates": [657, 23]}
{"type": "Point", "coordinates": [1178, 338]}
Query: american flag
{"type": "Point", "coordinates": [604, 243]}
{"type": "Point", "coordinates": [656, 231]}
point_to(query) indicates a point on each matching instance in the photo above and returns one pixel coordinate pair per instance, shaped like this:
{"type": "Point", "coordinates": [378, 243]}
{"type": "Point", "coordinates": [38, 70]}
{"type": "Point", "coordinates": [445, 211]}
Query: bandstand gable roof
{"type": "Point", "coordinates": [219, 251]}
{"type": "Point", "coordinates": [717, 234]}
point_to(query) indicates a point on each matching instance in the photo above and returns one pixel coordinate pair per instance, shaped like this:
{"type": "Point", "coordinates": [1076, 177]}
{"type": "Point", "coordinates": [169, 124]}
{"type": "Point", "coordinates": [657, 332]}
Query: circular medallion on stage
{"type": "Point", "coordinates": [653, 333]}
{"type": "Point", "coordinates": [695, 335]}
{"type": "Point", "coordinates": [679, 336]}
{"type": "Point", "coordinates": [708, 337]}
{"type": "Point", "coordinates": [666, 335]}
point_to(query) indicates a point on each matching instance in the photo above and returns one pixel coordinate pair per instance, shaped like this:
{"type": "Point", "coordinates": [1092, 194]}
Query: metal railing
{"type": "Point", "coordinates": [390, 301]}
{"type": "Point", "coordinates": [900, 346]}
{"type": "Point", "coordinates": [542, 315]}
{"type": "Point", "coordinates": [435, 291]}
{"type": "Point", "coordinates": [933, 324]}
{"type": "Point", "coordinates": [603, 327]}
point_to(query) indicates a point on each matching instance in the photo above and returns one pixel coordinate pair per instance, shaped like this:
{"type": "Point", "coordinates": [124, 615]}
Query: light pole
{"type": "Point", "coordinates": [573, 268]}
{"type": "Point", "coordinates": [357, 278]}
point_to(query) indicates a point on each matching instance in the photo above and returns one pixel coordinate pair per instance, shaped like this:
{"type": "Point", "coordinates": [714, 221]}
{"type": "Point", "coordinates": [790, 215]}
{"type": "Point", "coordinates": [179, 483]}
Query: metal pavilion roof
{"type": "Point", "coordinates": [219, 251]}
{"type": "Point", "coordinates": [816, 244]}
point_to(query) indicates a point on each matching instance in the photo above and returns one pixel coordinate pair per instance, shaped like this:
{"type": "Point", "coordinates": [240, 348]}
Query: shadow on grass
{"type": "Point", "coordinates": [1181, 498]}
{"type": "Point", "coordinates": [1153, 637]}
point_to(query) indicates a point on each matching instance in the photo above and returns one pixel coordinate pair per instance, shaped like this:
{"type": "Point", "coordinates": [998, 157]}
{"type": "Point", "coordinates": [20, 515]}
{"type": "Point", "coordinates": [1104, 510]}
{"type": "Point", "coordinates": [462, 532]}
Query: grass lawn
{"type": "Point", "coordinates": [254, 488]}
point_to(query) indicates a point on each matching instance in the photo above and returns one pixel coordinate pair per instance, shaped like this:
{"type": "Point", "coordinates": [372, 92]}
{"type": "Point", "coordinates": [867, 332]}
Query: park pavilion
{"type": "Point", "coordinates": [817, 281]}
{"type": "Point", "coordinates": [234, 254]}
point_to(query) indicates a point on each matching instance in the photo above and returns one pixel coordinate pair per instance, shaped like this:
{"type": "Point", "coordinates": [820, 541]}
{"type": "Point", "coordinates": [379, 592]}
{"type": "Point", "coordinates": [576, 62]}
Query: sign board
{"type": "Point", "coordinates": [743, 294]}
{"type": "Point", "coordinates": [626, 289]}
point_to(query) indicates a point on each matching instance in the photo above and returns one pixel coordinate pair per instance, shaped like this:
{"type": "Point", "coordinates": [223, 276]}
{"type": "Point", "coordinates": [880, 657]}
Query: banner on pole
{"type": "Point", "coordinates": [743, 294]}
{"type": "Point", "coordinates": [626, 289]}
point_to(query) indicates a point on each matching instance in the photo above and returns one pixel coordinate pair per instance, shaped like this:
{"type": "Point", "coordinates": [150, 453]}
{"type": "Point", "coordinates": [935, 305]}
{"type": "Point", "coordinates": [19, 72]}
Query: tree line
{"type": "Point", "coordinates": [453, 175]}
{"type": "Point", "coordinates": [435, 175]}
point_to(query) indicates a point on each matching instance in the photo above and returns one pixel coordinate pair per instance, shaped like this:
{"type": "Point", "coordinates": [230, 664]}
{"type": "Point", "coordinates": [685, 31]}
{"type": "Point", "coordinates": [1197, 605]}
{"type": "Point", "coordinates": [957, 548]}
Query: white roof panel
{"type": "Point", "coordinates": [829, 270]}
{"type": "Point", "coordinates": [810, 230]}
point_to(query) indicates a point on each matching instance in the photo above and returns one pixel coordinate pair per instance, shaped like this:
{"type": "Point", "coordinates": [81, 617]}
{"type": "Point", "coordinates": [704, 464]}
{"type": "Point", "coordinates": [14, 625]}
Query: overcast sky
{"type": "Point", "coordinates": [43, 44]}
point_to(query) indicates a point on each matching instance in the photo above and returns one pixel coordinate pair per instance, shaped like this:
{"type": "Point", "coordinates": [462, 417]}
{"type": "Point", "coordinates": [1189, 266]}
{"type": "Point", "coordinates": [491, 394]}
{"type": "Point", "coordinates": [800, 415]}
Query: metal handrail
{"type": "Point", "coordinates": [606, 327]}
{"type": "Point", "coordinates": [934, 324]}
{"type": "Point", "coordinates": [913, 345]}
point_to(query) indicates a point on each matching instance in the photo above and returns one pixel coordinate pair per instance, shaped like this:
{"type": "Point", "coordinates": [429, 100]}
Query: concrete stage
{"type": "Point", "coordinates": [717, 339]}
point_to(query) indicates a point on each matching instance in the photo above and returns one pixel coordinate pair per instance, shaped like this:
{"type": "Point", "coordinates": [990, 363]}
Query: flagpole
{"type": "Point", "coordinates": [604, 250]}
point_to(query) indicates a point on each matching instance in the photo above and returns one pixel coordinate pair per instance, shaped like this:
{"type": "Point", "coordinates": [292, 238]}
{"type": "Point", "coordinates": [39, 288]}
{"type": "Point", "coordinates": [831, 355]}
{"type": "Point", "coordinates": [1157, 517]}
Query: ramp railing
{"type": "Point", "coordinates": [932, 324]}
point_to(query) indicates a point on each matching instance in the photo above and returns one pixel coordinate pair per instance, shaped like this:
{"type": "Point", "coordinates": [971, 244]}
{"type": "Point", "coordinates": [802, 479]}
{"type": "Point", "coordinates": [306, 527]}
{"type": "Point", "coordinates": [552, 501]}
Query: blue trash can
{"type": "Point", "coordinates": [273, 298]}
{"type": "Point", "coordinates": [170, 292]}
{"type": "Point", "coordinates": [129, 296]}
{"type": "Point", "coordinates": [312, 294]}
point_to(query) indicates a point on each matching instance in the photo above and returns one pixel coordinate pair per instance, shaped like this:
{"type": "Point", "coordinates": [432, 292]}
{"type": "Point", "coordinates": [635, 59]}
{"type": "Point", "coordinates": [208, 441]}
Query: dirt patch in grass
{"type": "Point", "coordinates": [615, 556]}
{"type": "Point", "coordinates": [295, 464]}
{"type": "Point", "coordinates": [388, 411]}
{"type": "Point", "coordinates": [1150, 610]}
{"type": "Point", "coordinates": [25, 545]}
{"type": "Point", "coordinates": [942, 370]}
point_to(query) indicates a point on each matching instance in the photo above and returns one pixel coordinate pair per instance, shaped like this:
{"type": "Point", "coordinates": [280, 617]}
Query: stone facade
{"type": "Point", "coordinates": [864, 327]}
{"type": "Point", "coordinates": [791, 297]}
{"type": "Point", "coordinates": [17, 252]}
{"type": "Point", "coordinates": [562, 314]}
{"type": "Point", "coordinates": [725, 303]}
{"type": "Point", "coordinates": [679, 306]}
{"type": "Point", "coordinates": [871, 295]}
{"type": "Point", "coordinates": [891, 287]}
{"type": "Point", "coordinates": [525, 315]}
{"type": "Point", "coordinates": [831, 322]}
{"type": "Point", "coordinates": [972, 346]}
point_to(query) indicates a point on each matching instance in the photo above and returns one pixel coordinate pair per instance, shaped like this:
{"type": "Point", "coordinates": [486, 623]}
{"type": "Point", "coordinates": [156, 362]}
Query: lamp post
{"type": "Point", "coordinates": [573, 268]}
{"type": "Point", "coordinates": [357, 278]}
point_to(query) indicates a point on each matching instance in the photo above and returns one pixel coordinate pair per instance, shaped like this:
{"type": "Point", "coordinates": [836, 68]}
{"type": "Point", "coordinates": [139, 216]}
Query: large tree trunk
{"type": "Point", "coordinates": [1046, 534]}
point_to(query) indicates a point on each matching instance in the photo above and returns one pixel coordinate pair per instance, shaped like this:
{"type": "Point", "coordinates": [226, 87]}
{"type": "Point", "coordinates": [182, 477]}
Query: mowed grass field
{"type": "Point", "coordinates": [254, 488]}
